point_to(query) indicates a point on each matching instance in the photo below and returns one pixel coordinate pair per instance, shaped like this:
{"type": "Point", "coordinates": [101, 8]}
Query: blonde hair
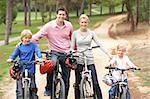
{"type": "Point", "coordinates": [25, 33]}
{"type": "Point", "coordinates": [121, 46]}
{"type": "Point", "coordinates": [84, 16]}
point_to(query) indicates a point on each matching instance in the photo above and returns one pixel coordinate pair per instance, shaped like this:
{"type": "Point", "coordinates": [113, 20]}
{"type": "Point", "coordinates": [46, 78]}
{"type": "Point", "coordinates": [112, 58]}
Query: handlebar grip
{"type": "Point", "coordinates": [95, 47]}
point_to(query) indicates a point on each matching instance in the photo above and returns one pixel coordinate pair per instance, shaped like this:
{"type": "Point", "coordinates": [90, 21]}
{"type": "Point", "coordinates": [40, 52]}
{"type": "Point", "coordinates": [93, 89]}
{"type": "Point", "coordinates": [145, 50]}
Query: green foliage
{"type": "Point", "coordinates": [6, 50]}
{"type": "Point", "coordinates": [143, 9]}
{"type": "Point", "coordinates": [108, 2]}
{"type": "Point", "coordinates": [3, 12]}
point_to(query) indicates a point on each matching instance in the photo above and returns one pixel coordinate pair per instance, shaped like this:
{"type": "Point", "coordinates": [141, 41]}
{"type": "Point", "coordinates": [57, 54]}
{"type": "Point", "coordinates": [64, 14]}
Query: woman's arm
{"type": "Point", "coordinates": [101, 46]}
{"type": "Point", "coordinates": [73, 41]}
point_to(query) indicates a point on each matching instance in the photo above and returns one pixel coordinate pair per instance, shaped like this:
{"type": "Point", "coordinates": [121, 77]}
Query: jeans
{"type": "Point", "coordinates": [97, 90]}
{"type": "Point", "coordinates": [65, 71]}
{"type": "Point", "coordinates": [33, 88]}
{"type": "Point", "coordinates": [113, 91]}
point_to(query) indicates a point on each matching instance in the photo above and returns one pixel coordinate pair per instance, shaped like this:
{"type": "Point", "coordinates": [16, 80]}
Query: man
{"type": "Point", "coordinates": [58, 32]}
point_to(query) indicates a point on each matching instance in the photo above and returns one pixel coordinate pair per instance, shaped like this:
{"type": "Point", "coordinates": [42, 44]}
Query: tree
{"type": "Point", "coordinates": [25, 12]}
{"type": "Point", "coordinates": [130, 14]}
{"type": "Point", "coordinates": [2, 11]}
{"type": "Point", "coordinates": [8, 20]}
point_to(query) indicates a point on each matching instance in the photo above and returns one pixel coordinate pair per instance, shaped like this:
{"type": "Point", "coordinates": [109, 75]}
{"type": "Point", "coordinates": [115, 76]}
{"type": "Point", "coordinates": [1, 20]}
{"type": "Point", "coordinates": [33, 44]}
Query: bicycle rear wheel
{"type": "Point", "coordinates": [86, 88]}
{"type": "Point", "coordinates": [59, 89]}
{"type": "Point", "coordinates": [26, 90]}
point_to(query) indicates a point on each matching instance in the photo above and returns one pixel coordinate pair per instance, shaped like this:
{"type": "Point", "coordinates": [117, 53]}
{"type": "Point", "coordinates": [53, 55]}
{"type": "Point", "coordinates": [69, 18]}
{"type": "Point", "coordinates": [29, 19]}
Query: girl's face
{"type": "Point", "coordinates": [83, 23]}
{"type": "Point", "coordinates": [26, 39]}
{"type": "Point", "coordinates": [121, 52]}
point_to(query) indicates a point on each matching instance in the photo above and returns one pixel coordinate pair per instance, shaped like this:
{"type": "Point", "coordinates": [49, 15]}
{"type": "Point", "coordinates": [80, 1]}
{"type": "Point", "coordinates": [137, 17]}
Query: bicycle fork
{"type": "Point", "coordinates": [26, 79]}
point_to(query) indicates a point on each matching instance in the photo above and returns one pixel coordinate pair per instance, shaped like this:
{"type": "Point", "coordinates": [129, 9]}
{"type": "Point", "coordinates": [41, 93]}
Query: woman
{"type": "Point", "coordinates": [82, 38]}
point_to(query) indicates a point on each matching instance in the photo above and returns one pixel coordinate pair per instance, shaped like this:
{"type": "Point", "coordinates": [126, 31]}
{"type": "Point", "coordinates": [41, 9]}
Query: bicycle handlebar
{"type": "Point", "coordinates": [17, 62]}
{"type": "Point", "coordinates": [115, 68]}
{"type": "Point", "coordinates": [89, 48]}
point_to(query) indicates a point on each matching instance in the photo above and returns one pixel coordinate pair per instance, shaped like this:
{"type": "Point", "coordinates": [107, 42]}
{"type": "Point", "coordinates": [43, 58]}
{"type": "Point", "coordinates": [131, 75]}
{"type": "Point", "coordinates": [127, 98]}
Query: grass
{"type": "Point", "coordinates": [6, 50]}
{"type": "Point", "coordinates": [141, 58]}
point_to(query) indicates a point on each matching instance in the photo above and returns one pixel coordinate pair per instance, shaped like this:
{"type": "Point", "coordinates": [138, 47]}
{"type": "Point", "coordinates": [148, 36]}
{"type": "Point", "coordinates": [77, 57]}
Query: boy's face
{"type": "Point", "coordinates": [26, 39]}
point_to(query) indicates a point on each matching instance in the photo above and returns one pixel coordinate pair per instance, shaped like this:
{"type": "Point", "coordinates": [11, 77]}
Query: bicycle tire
{"type": "Point", "coordinates": [123, 95]}
{"type": "Point", "coordinates": [26, 90]}
{"type": "Point", "coordinates": [58, 91]}
{"type": "Point", "coordinates": [86, 89]}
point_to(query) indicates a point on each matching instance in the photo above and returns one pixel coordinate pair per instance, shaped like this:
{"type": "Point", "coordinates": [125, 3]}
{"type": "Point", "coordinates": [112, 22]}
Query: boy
{"type": "Point", "coordinates": [26, 51]}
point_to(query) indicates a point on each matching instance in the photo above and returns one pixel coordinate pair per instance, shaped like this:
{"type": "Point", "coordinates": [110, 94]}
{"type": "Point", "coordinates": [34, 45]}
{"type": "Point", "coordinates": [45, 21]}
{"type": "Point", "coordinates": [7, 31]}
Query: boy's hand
{"type": "Point", "coordinates": [40, 61]}
{"type": "Point", "coordinates": [9, 60]}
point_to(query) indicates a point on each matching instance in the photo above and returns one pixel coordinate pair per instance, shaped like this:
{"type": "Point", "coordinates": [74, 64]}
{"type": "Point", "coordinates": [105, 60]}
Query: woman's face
{"type": "Point", "coordinates": [83, 23]}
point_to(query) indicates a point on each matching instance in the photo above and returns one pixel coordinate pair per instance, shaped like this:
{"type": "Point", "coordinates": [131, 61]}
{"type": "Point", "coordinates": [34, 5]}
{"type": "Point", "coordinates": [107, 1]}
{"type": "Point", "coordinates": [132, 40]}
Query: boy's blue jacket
{"type": "Point", "coordinates": [27, 53]}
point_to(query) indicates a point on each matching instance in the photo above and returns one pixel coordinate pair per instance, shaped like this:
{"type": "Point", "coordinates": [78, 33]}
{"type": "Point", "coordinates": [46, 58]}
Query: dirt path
{"type": "Point", "coordinates": [100, 60]}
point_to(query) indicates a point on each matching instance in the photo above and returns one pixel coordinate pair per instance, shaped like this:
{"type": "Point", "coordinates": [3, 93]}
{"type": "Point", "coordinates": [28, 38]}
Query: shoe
{"type": "Point", "coordinates": [47, 92]}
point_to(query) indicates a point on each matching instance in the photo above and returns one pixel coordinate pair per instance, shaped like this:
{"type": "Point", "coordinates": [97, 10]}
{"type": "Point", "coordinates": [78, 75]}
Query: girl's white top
{"type": "Point", "coordinates": [121, 63]}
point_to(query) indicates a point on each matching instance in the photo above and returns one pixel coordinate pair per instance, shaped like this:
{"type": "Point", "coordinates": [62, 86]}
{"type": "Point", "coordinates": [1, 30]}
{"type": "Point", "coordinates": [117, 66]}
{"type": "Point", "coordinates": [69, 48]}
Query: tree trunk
{"type": "Point", "coordinates": [137, 12]}
{"type": "Point", "coordinates": [29, 13]}
{"type": "Point", "coordinates": [50, 14]}
{"type": "Point", "coordinates": [128, 6]}
{"type": "Point", "coordinates": [148, 11]}
{"type": "Point", "coordinates": [8, 20]}
{"type": "Point", "coordinates": [25, 12]}
{"type": "Point", "coordinates": [90, 8]}
{"type": "Point", "coordinates": [35, 8]}
{"type": "Point", "coordinates": [123, 3]}
{"type": "Point", "coordinates": [101, 7]}
{"type": "Point", "coordinates": [82, 7]}
{"type": "Point", "coordinates": [77, 11]}
{"type": "Point", "coordinates": [66, 4]}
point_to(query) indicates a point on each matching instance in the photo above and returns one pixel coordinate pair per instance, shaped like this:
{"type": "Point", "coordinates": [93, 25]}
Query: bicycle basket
{"type": "Point", "coordinates": [71, 63]}
{"type": "Point", "coordinates": [15, 73]}
{"type": "Point", "coordinates": [47, 67]}
{"type": "Point", "coordinates": [109, 80]}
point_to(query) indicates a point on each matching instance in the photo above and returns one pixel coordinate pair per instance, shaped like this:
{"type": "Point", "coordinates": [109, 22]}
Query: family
{"type": "Point", "coordinates": [61, 39]}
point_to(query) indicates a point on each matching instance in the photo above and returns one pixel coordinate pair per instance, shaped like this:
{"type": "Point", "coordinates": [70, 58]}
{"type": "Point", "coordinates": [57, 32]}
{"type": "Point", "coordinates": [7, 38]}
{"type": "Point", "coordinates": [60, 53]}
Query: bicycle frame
{"type": "Point", "coordinates": [86, 83]}
{"type": "Point", "coordinates": [87, 73]}
{"type": "Point", "coordinates": [26, 81]}
{"type": "Point", "coordinates": [121, 85]}
{"type": "Point", "coordinates": [58, 86]}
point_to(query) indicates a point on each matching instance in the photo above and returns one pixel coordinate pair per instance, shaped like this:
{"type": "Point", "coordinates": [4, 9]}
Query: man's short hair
{"type": "Point", "coordinates": [61, 9]}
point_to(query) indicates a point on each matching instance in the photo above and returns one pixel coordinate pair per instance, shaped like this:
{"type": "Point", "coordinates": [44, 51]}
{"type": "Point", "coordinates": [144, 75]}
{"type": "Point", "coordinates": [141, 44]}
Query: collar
{"type": "Point", "coordinates": [57, 26]}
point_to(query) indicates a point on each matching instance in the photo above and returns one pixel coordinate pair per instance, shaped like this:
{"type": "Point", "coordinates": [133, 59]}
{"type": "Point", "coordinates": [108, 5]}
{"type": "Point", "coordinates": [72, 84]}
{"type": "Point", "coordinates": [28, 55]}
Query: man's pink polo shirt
{"type": "Point", "coordinates": [59, 38]}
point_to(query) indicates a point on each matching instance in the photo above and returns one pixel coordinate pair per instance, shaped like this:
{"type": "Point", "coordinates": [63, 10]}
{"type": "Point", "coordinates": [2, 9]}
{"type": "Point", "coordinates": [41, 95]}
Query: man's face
{"type": "Point", "coordinates": [61, 16]}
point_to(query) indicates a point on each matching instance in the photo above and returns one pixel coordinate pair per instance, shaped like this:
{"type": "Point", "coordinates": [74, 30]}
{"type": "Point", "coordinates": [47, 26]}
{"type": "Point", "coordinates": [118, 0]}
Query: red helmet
{"type": "Point", "coordinates": [15, 74]}
{"type": "Point", "coordinates": [47, 67]}
{"type": "Point", "coordinates": [71, 63]}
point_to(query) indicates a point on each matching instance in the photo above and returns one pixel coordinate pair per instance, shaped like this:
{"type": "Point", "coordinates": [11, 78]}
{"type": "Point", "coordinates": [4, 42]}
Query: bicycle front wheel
{"type": "Point", "coordinates": [59, 89]}
{"type": "Point", "coordinates": [123, 94]}
{"type": "Point", "coordinates": [86, 88]}
{"type": "Point", "coordinates": [26, 90]}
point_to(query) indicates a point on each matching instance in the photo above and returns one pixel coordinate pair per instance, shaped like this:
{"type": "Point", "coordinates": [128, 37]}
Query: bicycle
{"type": "Point", "coordinates": [26, 80]}
{"type": "Point", "coordinates": [122, 89]}
{"type": "Point", "coordinates": [86, 83]}
{"type": "Point", "coordinates": [58, 85]}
